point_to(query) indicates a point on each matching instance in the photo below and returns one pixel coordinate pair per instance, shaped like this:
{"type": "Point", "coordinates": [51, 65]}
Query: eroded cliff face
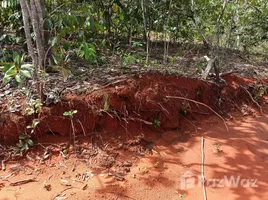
{"type": "Point", "coordinates": [138, 101]}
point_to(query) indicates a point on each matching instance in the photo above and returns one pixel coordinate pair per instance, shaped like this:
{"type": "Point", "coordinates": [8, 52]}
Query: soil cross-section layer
{"type": "Point", "coordinates": [141, 138]}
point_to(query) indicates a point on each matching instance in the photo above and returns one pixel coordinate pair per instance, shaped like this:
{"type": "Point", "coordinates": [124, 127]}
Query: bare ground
{"type": "Point", "coordinates": [156, 174]}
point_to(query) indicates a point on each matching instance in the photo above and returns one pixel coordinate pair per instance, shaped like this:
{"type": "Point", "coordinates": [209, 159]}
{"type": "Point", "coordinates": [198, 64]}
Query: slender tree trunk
{"type": "Point", "coordinates": [166, 42]}
{"type": "Point", "coordinates": [38, 31]}
{"type": "Point", "coordinates": [130, 30]}
{"type": "Point", "coordinates": [216, 67]}
{"type": "Point", "coordinates": [26, 22]}
{"type": "Point", "coordinates": [33, 13]}
{"type": "Point", "coordinates": [144, 6]}
{"type": "Point", "coordinates": [229, 36]}
{"type": "Point", "coordinates": [218, 26]}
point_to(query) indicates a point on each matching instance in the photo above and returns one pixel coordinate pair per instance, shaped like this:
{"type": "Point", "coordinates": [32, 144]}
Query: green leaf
{"type": "Point", "coordinates": [22, 58]}
{"type": "Point", "coordinates": [19, 145]}
{"type": "Point", "coordinates": [92, 24]}
{"type": "Point", "coordinates": [28, 67]}
{"type": "Point", "coordinates": [26, 73]}
{"type": "Point", "coordinates": [49, 23]}
{"type": "Point", "coordinates": [122, 17]}
{"type": "Point", "coordinates": [6, 66]}
{"type": "Point", "coordinates": [16, 58]}
{"type": "Point", "coordinates": [18, 78]}
{"type": "Point", "coordinates": [30, 142]}
{"type": "Point", "coordinates": [7, 78]}
{"type": "Point", "coordinates": [66, 113]}
{"type": "Point", "coordinates": [35, 123]}
{"type": "Point", "coordinates": [11, 71]}
{"type": "Point", "coordinates": [25, 147]}
{"type": "Point", "coordinates": [54, 41]}
{"type": "Point", "coordinates": [29, 111]}
{"type": "Point", "coordinates": [22, 137]}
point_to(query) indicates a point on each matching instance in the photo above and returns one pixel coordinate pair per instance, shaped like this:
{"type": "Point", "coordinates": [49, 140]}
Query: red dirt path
{"type": "Point", "coordinates": [243, 152]}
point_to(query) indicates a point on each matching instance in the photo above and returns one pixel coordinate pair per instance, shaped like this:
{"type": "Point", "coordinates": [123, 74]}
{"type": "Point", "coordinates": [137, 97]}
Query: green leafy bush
{"type": "Point", "coordinates": [87, 51]}
{"type": "Point", "coordinates": [25, 142]}
{"type": "Point", "coordinates": [16, 70]}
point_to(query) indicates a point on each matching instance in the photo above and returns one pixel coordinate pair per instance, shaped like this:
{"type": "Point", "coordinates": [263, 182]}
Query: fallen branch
{"type": "Point", "coordinates": [200, 103]}
{"type": "Point", "coordinates": [60, 193]}
{"type": "Point", "coordinates": [22, 182]}
{"type": "Point", "coordinates": [7, 176]}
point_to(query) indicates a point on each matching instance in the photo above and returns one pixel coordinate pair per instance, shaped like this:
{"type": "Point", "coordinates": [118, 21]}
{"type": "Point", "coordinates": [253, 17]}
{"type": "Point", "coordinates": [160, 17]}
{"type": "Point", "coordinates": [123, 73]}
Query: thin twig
{"type": "Point", "coordinates": [200, 103]}
{"type": "Point", "coordinates": [82, 127]}
{"type": "Point", "coordinates": [22, 182]}
{"type": "Point", "coordinates": [60, 193]}
{"type": "Point", "coordinates": [190, 123]}
{"type": "Point", "coordinates": [202, 169]}
{"type": "Point", "coordinates": [252, 99]}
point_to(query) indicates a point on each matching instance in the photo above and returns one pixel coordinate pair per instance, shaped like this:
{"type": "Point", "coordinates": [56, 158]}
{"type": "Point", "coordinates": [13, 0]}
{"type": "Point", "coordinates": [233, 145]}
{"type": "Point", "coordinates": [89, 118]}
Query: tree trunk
{"type": "Point", "coordinates": [166, 42]}
{"type": "Point", "coordinates": [144, 6]}
{"type": "Point", "coordinates": [33, 12]}
{"type": "Point", "coordinates": [26, 22]}
{"type": "Point", "coordinates": [37, 21]}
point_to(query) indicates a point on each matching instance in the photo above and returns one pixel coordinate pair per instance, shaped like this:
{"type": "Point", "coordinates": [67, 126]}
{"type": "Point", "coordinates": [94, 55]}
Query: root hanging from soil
{"type": "Point", "coordinates": [200, 103]}
{"type": "Point", "coordinates": [252, 99]}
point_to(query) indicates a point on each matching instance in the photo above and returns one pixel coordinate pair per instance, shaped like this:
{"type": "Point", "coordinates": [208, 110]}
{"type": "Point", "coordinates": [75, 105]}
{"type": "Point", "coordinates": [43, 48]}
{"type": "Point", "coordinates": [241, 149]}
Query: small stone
{"type": "Point", "coordinates": [120, 178]}
{"type": "Point", "coordinates": [127, 164]}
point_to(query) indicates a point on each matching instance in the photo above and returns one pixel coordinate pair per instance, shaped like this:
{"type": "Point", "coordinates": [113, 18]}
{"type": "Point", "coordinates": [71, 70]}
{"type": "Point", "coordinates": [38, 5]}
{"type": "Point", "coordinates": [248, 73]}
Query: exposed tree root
{"type": "Point", "coordinates": [200, 103]}
{"type": "Point", "coordinates": [252, 99]}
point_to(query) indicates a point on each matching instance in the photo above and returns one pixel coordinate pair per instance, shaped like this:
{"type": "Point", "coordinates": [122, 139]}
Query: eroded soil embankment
{"type": "Point", "coordinates": [136, 102]}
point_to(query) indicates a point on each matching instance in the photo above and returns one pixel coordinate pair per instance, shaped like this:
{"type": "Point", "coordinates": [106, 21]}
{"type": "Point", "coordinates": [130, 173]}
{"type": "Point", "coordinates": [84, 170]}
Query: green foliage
{"type": "Point", "coordinates": [129, 59]}
{"type": "Point", "coordinates": [25, 142]}
{"type": "Point", "coordinates": [87, 51]}
{"type": "Point", "coordinates": [156, 123]}
{"type": "Point", "coordinates": [10, 18]}
{"type": "Point", "coordinates": [34, 107]}
{"type": "Point", "coordinates": [185, 109]}
{"type": "Point", "coordinates": [6, 55]}
{"type": "Point", "coordinates": [70, 113]}
{"type": "Point", "coordinates": [63, 62]}
{"type": "Point", "coordinates": [217, 148]}
{"type": "Point", "coordinates": [82, 21]}
{"type": "Point", "coordinates": [33, 125]}
{"type": "Point", "coordinates": [200, 65]}
{"type": "Point", "coordinates": [16, 70]}
{"type": "Point", "coordinates": [137, 44]}
{"type": "Point", "coordinates": [259, 92]}
{"type": "Point", "coordinates": [10, 39]}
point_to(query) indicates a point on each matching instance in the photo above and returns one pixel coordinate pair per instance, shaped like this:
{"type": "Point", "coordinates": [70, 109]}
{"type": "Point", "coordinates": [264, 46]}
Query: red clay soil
{"type": "Point", "coordinates": [134, 103]}
{"type": "Point", "coordinates": [240, 154]}
{"type": "Point", "coordinates": [121, 154]}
